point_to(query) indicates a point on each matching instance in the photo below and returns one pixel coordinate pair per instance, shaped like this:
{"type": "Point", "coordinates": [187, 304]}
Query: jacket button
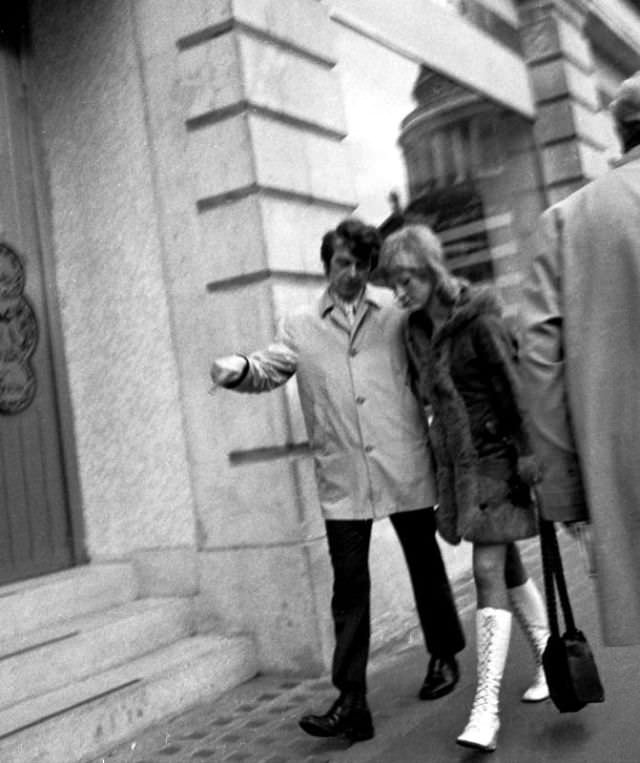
{"type": "Point", "coordinates": [353, 352]}
{"type": "Point", "coordinates": [360, 399]}
{"type": "Point", "coordinates": [368, 448]}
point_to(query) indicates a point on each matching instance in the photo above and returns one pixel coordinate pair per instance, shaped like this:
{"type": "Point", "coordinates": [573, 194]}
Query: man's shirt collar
{"type": "Point", "coordinates": [329, 301]}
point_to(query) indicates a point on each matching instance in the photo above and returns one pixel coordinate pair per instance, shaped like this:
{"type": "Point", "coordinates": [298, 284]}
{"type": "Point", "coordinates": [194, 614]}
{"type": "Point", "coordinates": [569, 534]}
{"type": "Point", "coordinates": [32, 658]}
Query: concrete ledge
{"type": "Point", "coordinates": [166, 571]}
{"type": "Point", "coordinates": [236, 68]}
{"type": "Point", "coordinates": [88, 718]}
{"type": "Point", "coordinates": [42, 601]}
{"type": "Point", "coordinates": [49, 658]}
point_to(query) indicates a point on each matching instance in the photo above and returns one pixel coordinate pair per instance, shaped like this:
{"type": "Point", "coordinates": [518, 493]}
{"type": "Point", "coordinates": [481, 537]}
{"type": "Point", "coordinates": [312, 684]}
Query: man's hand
{"type": "Point", "coordinates": [529, 471]}
{"type": "Point", "coordinates": [227, 370]}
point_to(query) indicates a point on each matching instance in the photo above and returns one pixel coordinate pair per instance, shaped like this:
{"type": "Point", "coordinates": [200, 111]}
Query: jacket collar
{"type": "Point", "coordinates": [472, 302]}
{"type": "Point", "coordinates": [328, 302]}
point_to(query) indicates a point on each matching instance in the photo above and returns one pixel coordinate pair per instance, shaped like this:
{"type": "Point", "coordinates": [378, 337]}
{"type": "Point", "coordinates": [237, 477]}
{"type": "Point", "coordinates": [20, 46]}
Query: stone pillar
{"type": "Point", "coordinates": [569, 128]}
{"type": "Point", "coordinates": [247, 126]}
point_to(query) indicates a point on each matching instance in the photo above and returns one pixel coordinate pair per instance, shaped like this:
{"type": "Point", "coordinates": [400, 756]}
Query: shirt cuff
{"type": "Point", "coordinates": [237, 382]}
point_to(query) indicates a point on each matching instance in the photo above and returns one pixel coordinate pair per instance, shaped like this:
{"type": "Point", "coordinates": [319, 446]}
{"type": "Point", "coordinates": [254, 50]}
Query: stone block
{"type": "Point", "coordinates": [233, 67]}
{"type": "Point", "coordinates": [592, 125]}
{"type": "Point", "coordinates": [562, 190]}
{"type": "Point", "coordinates": [161, 23]}
{"type": "Point", "coordinates": [562, 162]}
{"type": "Point", "coordinates": [575, 44]}
{"type": "Point", "coordinates": [238, 320]}
{"type": "Point", "coordinates": [290, 84]}
{"type": "Point", "coordinates": [564, 119]}
{"type": "Point", "coordinates": [261, 496]}
{"type": "Point", "coordinates": [280, 594]}
{"type": "Point", "coordinates": [231, 240]}
{"type": "Point", "coordinates": [555, 121]}
{"type": "Point", "coordinates": [258, 233]}
{"type": "Point", "coordinates": [540, 39]}
{"type": "Point", "coordinates": [253, 504]}
{"type": "Point", "coordinates": [221, 157]}
{"type": "Point", "coordinates": [210, 76]}
{"type": "Point", "coordinates": [303, 23]}
{"type": "Point", "coordinates": [293, 231]}
{"type": "Point", "coordinates": [289, 296]}
{"type": "Point", "coordinates": [594, 161]}
{"type": "Point", "coordinates": [314, 166]}
{"type": "Point", "coordinates": [549, 80]}
{"type": "Point", "coordinates": [521, 173]}
{"type": "Point", "coordinates": [251, 426]}
{"type": "Point", "coordinates": [582, 86]}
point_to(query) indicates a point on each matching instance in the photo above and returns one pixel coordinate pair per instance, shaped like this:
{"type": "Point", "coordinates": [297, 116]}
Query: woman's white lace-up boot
{"type": "Point", "coordinates": [528, 606]}
{"type": "Point", "coordinates": [493, 628]}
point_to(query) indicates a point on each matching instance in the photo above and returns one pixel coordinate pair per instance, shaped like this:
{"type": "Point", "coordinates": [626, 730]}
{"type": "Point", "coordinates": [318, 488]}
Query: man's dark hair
{"type": "Point", "coordinates": [362, 241]}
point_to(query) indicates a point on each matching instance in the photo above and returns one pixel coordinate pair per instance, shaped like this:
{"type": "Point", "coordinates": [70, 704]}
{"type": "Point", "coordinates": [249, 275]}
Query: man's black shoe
{"type": "Point", "coordinates": [349, 716]}
{"type": "Point", "coordinates": [441, 678]}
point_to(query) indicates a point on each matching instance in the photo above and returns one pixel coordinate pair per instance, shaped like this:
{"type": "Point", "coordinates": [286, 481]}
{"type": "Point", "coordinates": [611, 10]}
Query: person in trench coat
{"type": "Point", "coordinates": [367, 433]}
{"type": "Point", "coordinates": [464, 361]}
{"type": "Point", "coordinates": [580, 319]}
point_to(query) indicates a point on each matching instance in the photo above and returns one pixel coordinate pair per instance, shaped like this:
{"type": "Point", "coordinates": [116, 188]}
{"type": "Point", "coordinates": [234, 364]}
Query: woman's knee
{"type": "Point", "coordinates": [488, 564]}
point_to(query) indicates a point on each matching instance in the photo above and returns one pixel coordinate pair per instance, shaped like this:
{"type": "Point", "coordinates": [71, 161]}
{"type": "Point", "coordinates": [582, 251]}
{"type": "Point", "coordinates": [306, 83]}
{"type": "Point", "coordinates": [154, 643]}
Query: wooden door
{"type": "Point", "coordinates": [35, 521]}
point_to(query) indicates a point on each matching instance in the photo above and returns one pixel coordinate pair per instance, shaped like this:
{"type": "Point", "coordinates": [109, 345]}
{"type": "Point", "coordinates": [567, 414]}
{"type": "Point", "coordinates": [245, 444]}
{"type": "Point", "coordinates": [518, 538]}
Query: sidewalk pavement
{"type": "Point", "coordinates": [258, 721]}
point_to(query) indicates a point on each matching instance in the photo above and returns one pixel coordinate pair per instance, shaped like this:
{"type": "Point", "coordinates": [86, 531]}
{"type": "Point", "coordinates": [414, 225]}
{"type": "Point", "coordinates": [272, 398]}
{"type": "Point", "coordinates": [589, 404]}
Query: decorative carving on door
{"type": "Point", "coordinates": [18, 335]}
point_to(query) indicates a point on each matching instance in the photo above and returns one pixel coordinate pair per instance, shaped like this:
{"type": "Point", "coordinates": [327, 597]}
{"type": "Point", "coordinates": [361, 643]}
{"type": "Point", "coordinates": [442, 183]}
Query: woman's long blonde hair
{"type": "Point", "coordinates": [417, 249]}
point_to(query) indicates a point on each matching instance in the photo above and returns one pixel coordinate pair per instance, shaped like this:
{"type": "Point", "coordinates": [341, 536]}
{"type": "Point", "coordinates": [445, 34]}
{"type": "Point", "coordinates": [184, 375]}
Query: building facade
{"type": "Point", "coordinates": [168, 170]}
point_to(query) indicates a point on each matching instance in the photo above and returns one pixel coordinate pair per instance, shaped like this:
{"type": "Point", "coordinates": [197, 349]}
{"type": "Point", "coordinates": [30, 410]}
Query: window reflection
{"type": "Point", "coordinates": [473, 175]}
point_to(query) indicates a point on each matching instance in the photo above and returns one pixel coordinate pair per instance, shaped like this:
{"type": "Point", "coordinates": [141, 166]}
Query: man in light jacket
{"type": "Point", "coordinates": [368, 437]}
{"type": "Point", "coordinates": [581, 365]}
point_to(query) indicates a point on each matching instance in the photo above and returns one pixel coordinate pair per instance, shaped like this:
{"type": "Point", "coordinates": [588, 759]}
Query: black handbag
{"type": "Point", "coordinates": [569, 664]}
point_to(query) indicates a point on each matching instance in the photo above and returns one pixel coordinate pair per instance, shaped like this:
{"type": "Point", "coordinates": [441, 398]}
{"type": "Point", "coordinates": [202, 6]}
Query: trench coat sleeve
{"type": "Point", "coordinates": [271, 367]}
{"type": "Point", "coordinates": [544, 379]}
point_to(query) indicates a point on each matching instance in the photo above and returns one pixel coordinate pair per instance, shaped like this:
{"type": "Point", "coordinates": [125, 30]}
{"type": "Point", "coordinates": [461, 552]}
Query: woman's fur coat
{"type": "Point", "coordinates": [476, 447]}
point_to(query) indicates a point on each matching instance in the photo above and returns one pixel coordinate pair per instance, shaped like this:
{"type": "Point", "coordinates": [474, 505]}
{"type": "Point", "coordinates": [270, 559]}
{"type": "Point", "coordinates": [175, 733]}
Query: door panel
{"type": "Point", "coordinates": [35, 527]}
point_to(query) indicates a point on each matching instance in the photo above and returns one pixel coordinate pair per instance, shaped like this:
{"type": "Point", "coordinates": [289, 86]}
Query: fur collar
{"type": "Point", "coordinates": [472, 302]}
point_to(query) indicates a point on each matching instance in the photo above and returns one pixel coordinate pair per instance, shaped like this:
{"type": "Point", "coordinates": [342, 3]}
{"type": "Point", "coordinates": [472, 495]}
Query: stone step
{"type": "Point", "coordinates": [36, 603]}
{"type": "Point", "coordinates": [54, 656]}
{"type": "Point", "coordinates": [82, 720]}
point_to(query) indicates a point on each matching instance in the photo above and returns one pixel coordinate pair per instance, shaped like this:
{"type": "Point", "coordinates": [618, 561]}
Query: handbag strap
{"type": "Point", "coordinates": [554, 577]}
{"type": "Point", "coordinates": [549, 586]}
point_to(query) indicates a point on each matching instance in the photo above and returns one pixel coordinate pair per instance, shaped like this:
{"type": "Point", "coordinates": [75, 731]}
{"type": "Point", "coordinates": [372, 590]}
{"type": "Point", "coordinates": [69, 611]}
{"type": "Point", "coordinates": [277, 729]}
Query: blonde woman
{"type": "Point", "coordinates": [463, 358]}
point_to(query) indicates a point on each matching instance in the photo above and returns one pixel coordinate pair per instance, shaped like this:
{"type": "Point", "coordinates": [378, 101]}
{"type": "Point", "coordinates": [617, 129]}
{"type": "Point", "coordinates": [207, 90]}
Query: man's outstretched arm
{"type": "Point", "coordinates": [260, 371]}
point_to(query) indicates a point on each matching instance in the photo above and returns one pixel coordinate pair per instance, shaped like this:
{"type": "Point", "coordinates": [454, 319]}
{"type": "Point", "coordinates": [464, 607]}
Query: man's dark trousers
{"type": "Point", "coordinates": [349, 542]}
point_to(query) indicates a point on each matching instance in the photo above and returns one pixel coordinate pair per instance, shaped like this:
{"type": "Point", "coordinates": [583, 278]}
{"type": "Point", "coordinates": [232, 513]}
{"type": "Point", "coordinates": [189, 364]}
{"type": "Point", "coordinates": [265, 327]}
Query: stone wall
{"type": "Point", "coordinates": [116, 316]}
